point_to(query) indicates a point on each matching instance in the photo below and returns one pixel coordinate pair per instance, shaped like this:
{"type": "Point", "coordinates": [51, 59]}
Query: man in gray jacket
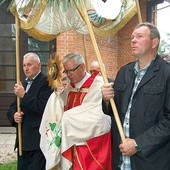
{"type": "Point", "coordinates": [142, 96]}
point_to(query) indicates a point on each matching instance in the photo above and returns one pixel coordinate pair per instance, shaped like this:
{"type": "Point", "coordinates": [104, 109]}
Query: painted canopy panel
{"type": "Point", "coordinates": [46, 19]}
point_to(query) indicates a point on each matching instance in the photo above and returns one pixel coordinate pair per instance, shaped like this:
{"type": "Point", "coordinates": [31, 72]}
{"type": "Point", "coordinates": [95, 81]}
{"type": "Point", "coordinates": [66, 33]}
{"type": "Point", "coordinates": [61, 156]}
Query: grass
{"type": "Point", "coordinates": [9, 166]}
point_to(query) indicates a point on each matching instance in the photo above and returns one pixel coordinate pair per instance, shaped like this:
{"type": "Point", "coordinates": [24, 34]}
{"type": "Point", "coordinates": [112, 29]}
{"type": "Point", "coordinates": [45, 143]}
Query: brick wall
{"type": "Point", "coordinates": [114, 50]}
{"type": "Point", "coordinates": [124, 37]}
{"type": "Point", "coordinates": [74, 42]}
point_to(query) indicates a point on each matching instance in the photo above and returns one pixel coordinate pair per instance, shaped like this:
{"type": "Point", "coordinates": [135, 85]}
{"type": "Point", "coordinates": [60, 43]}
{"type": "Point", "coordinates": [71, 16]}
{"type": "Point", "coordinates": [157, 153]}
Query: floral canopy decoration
{"type": "Point", "coordinates": [44, 19]}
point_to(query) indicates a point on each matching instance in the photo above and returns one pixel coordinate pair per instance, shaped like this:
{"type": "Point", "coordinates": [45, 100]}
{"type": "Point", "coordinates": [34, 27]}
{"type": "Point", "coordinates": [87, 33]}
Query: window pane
{"type": "Point", "coordinates": [7, 86]}
{"type": "Point", "coordinates": [7, 58]}
{"type": "Point", "coordinates": [35, 45]}
{"type": "Point", "coordinates": [7, 44]}
{"type": "Point", "coordinates": [7, 72]}
{"type": "Point", "coordinates": [43, 57]}
{"type": "Point", "coordinates": [44, 69]}
{"type": "Point", "coordinates": [7, 30]}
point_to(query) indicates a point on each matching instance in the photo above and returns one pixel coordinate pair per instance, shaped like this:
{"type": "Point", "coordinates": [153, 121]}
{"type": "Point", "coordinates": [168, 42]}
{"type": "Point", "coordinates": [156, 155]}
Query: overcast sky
{"type": "Point", "coordinates": [163, 23]}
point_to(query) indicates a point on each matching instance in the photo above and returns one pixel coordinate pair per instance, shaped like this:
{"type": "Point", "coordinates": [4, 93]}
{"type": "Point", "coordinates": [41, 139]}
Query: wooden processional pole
{"type": "Point", "coordinates": [18, 79]}
{"type": "Point", "coordinates": [84, 14]}
{"type": "Point", "coordinates": [85, 53]}
{"type": "Point", "coordinates": [138, 11]}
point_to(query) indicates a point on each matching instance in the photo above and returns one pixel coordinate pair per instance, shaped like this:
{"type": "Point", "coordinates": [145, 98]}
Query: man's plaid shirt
{"type": "Point", "coordinates": [125, 163]}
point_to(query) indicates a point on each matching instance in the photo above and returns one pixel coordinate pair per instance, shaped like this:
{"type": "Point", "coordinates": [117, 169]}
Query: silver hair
{"type": "Point", "coordinates": [76, 57]}
{"type": "Point", "coordinates": [33, 56]}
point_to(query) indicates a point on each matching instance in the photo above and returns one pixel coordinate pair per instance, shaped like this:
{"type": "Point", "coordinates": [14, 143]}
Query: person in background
{"type": "Point", "coordinates": [65, 81]}
{"type": "Point", "coordinates": [85, 128]}
{"type": "Point", "coordinates": [34, 92]}
{"type": "Point", "coordinates": [94, 66]}
{"type": "Point", "coordinates": [142, 96]}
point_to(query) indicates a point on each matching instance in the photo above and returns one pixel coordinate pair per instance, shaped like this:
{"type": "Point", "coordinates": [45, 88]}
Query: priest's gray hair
{"type": "Point", "coordinates": [76, 57]}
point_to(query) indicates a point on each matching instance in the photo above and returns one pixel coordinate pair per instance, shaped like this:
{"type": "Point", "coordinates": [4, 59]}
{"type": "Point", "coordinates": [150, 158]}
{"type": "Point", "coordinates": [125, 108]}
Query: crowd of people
{"type": "Point", "coordinates": [90, 138]}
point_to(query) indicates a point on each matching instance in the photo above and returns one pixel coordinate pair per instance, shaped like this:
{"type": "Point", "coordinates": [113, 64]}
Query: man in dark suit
{"type": "Point", "coordinates": [142, 97]}
{"type": "Point", "coordinates": [34, 93]}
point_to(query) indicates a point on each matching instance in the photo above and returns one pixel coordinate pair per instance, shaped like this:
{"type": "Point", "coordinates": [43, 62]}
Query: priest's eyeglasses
{"type": "Point", "coordinates": [71, 70]}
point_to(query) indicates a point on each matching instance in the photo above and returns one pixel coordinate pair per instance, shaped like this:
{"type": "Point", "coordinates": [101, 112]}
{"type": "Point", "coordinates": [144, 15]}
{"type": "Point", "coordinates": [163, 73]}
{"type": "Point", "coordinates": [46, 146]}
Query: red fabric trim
{"type": "Point", "coordinates": [76, 98]}
{"type": "Point", "coordinates": [68, 154]}
{"type": "Point", "coordinates": [96, 156]}
{"type": "Point", "coordinates": [102, 152]}
{"type": "Point", "coordinates": [89, 81]}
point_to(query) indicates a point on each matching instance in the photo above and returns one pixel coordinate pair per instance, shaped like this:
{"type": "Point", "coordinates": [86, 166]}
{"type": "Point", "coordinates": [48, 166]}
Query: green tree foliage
{"type": "Point", "coordinates": [164, 47]}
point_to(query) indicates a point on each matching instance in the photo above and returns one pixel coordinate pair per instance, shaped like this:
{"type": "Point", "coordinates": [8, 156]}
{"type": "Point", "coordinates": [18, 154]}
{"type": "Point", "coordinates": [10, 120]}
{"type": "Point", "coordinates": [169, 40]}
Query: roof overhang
{"type": "Point", "coordinates": [155, 2]}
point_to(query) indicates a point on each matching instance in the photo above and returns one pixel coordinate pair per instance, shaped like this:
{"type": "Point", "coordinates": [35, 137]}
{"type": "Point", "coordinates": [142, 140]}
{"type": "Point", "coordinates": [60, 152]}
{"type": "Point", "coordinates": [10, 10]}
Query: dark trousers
{"type": "Point", "coordinates": [31, 160]}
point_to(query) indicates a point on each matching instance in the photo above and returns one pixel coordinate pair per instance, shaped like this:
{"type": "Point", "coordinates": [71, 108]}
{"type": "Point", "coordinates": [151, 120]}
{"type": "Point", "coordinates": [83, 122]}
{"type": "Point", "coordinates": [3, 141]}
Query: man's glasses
{"type": "Point", "coordinates": [71, 70]}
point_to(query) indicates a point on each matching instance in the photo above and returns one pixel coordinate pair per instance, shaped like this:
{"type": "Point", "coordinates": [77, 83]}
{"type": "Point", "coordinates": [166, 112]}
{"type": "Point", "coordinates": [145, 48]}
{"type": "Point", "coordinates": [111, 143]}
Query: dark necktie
{"type": "Point", "coordinates": [29, 82]}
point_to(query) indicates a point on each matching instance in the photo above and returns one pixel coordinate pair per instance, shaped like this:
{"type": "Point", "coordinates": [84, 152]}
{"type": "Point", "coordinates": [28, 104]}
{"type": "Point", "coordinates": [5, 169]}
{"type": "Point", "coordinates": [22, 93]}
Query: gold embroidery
{"type": "Point", "coordinates": [80, 90]}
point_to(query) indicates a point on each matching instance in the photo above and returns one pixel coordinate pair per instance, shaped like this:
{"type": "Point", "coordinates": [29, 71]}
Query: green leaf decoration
{"type": "Point", "coordinates": [57, 141]}
{"type": "Point", "coordinates": [52, 126]}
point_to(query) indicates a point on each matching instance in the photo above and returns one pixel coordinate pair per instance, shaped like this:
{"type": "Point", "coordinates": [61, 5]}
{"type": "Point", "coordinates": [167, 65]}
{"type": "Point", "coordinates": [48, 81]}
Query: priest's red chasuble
{"type": "Point", "coordinates": [94, 153]}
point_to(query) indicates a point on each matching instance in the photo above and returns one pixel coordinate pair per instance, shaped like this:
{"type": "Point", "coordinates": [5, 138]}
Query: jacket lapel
{"type": "Point", "coordinates": [24, 84]}
{"type": "Point", "coordinates": [129, 79]}
{"type": "Point", "coordinates": [151, 72]}
{"type": "Point", "coordinates": [35, 81]}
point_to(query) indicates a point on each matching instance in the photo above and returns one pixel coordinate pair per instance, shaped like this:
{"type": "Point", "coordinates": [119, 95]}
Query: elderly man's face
{"type": "Point", "coordinates": [75, 72]}
{"type": "Point", "coordinates": [31, 67]}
